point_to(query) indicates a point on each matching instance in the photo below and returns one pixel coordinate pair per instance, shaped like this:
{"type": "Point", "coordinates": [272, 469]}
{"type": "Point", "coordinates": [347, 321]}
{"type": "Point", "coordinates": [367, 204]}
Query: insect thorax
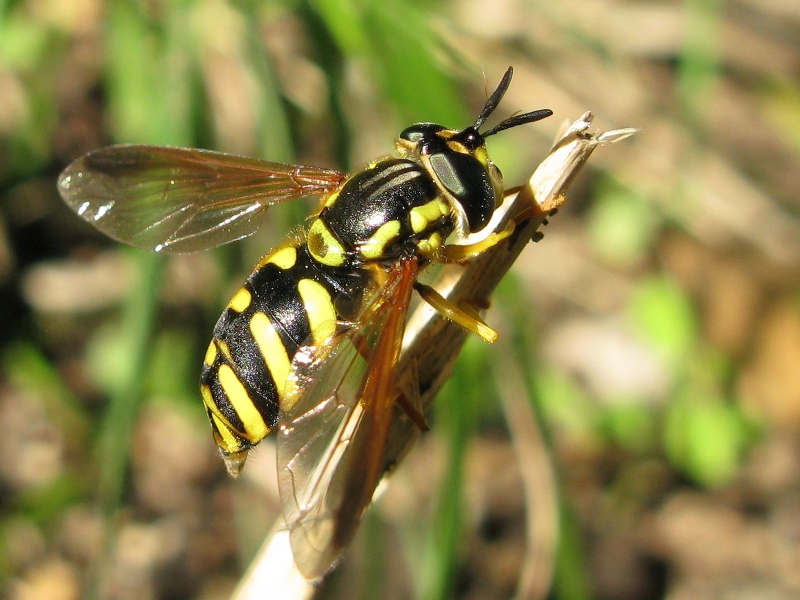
{"type": "Point", "coordinates": [390, 209]}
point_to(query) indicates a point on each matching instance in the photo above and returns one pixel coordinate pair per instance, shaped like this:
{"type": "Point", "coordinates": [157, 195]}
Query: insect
{"type": "Point", "coordinates": [309, 343]}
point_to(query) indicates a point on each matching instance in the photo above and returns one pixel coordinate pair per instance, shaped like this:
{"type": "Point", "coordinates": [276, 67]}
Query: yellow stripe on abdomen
{"type": "Point", "coordinates": [272, 350]}
{"type": "Point", "coordinates": [211, 354]}
{"type": "Point", "coordinates": [227, 437]}
{"type": "Point", "coordinates": [283, 258]}
{"type": "Point", "coordinates": [255, 429]}
{"type": "Point", "coordinates": [319, 309]}
{"type": "Point", "coordinates": [241, 300]}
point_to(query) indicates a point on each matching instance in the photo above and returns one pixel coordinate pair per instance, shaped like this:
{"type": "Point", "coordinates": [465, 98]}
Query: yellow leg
{"type": "Point", "coordinates": [462, 253]}
{"type": "Point", "coordinates": [463, 315]}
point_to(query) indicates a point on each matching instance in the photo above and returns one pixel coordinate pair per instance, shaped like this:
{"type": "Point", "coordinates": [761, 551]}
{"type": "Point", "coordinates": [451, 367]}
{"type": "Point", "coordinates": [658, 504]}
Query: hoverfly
{"type": "Point", "coordinates": [309, 343]}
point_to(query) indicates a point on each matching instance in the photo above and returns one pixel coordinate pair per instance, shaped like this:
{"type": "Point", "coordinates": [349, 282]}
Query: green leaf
{"type": "Point", "coordinates": [621, 224]}
{"type": "Point", "coordinates": [705, 437]}
{"type": "Point", "coordinates": [344, 20]}
{"type": "Point", "coordinates": [403, 52]}
{"type": "Point", "coordinates": [663, 315]}
{"type": "Point", "coordinates": [631, 426]}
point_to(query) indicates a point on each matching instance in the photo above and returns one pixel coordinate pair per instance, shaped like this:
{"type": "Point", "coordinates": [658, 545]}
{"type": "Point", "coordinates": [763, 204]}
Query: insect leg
{"type": "Point", "coordinates": [412, 412]}
{"type": "Point", "coordinates": [460, 253]}
{"type": "Point", "coordinates": [463, 315]}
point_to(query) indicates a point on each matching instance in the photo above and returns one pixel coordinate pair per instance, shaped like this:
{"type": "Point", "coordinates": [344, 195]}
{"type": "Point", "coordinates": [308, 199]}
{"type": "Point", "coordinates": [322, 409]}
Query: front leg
{"type": "Point", "coordinates": [461, 253]}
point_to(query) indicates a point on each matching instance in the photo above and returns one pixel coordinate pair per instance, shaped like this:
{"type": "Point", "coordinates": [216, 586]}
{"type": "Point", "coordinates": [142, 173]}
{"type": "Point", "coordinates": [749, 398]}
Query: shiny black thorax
{"type": "Point", "coordinates": [385, 192]}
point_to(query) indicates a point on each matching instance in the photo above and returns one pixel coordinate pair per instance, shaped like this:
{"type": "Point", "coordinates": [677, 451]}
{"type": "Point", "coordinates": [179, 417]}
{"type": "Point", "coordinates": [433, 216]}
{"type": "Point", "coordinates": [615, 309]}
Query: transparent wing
{"type": "Point", "coordinates": [179, 199]}
{"type": "Point", "coordinates": [331, 442]}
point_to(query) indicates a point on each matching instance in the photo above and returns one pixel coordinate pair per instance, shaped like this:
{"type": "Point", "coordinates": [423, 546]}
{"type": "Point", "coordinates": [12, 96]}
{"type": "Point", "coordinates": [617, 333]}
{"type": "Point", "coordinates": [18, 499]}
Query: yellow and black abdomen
{"type": "Point", "coordinates": [288, 301]}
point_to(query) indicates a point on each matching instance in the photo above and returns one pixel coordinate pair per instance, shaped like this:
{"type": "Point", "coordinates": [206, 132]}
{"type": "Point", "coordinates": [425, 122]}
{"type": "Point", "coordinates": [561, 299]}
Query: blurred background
{"type": "Point", "coordinates": [639, 433]}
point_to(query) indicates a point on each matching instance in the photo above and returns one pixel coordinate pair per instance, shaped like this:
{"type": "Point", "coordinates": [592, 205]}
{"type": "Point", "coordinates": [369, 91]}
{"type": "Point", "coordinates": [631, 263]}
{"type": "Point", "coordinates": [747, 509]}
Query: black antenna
{"type": "Point", "coordinates": [528, 117]}
{"type": "Point", "coordinates": [494, 100]}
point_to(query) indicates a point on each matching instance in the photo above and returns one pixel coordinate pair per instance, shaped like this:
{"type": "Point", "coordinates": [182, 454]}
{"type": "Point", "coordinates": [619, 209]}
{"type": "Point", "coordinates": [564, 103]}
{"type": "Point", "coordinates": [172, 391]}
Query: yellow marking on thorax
{"type": "Point", "coordinates": [255, 429]}
{"type": "Point", "coordinates": [323, 246]}
{"type": "Point", "coordinates": [482, 155]}
{"type": "Point", "coordinates": [456, 146]}
{"type": "Point", "coordinates": [331, 199]}
{"type": "Point", "coordinates": [211, 354]}
{"type": "Point", "coordinates": [429, 247]}
{"type": "Point", "coordinates": [374, 247]}
{"type": "Point", "coordinates": [422, 216]}
{"type": "Point", "coordinates": [319, 309]}
{"type": "Point", "coordinates": [241, 300]}
{"type": "Point", "coordinates": [272, 350]}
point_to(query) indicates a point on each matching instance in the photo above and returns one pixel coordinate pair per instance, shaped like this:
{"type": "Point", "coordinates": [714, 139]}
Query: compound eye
{"type": "Point", "coordinates": [470, 183]}
{"type": "Point", "coordinates": [412, 134]}
{"type": "Point", "coordinates": [420, 132]}
{"type": "Point", "coordinates": [495, 171]}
